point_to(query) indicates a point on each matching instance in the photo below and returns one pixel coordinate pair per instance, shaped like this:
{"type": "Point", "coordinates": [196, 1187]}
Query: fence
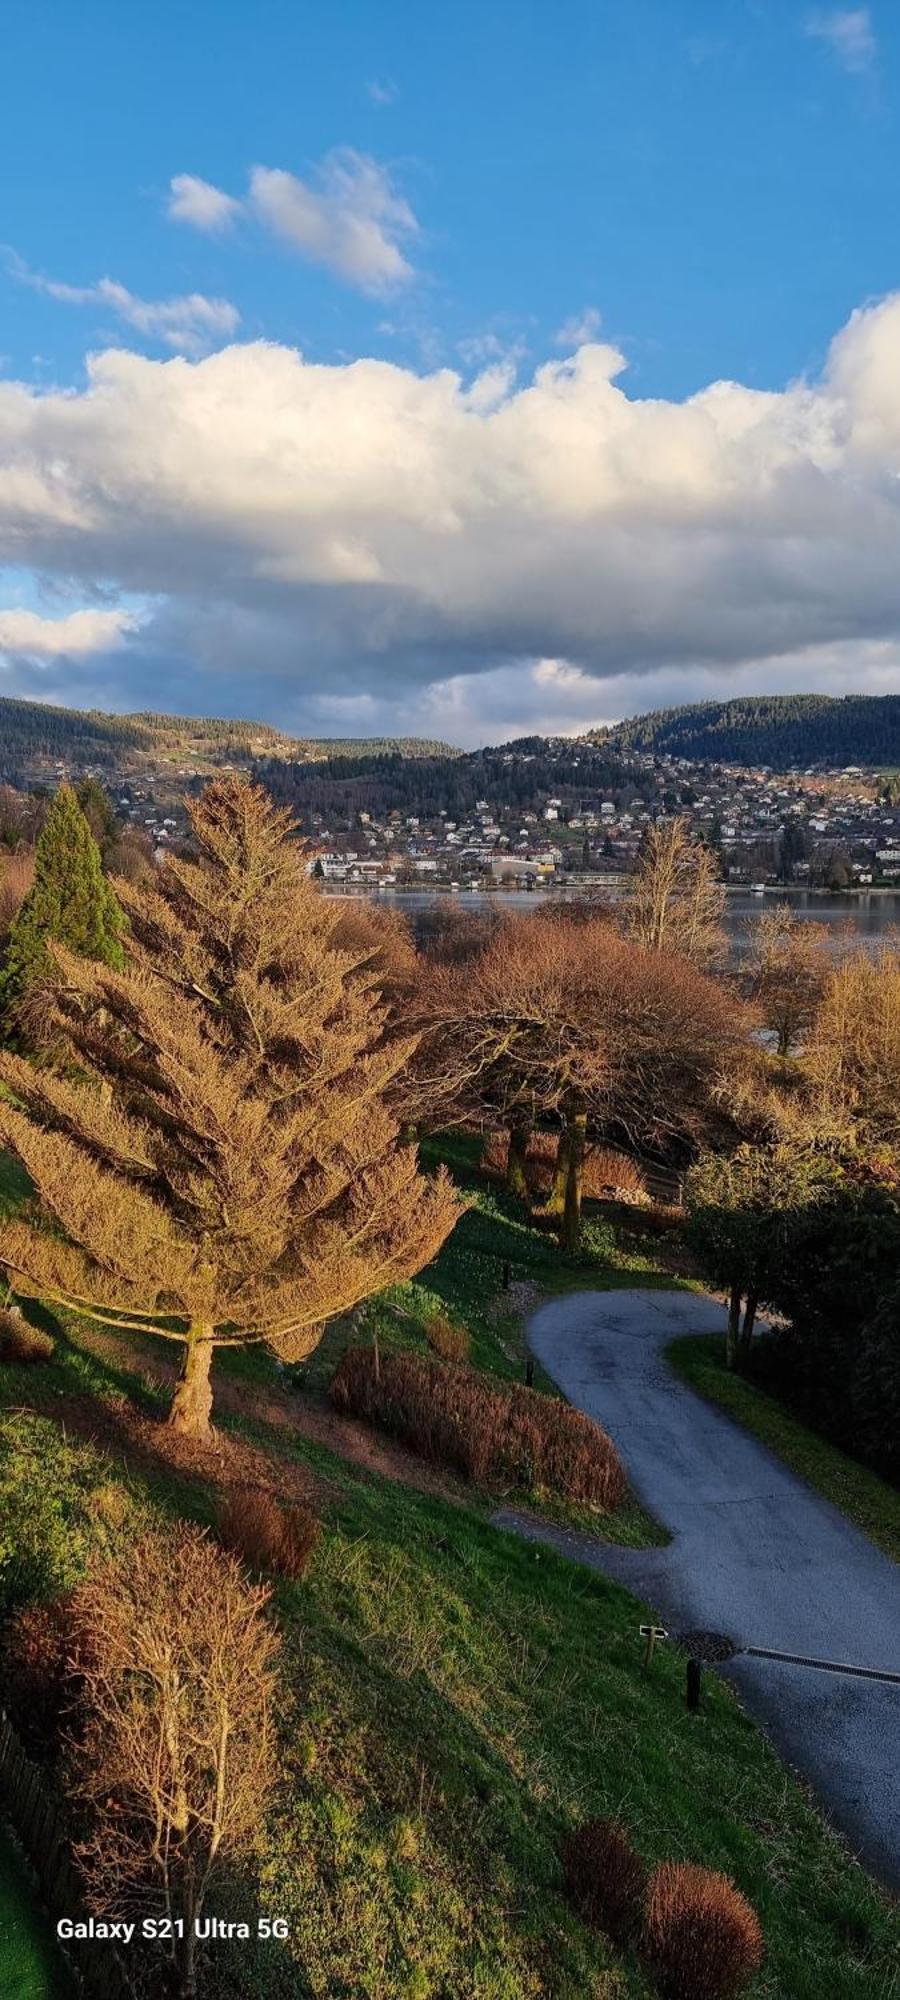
{"type": "Point", "coordinates": [100, 1973]}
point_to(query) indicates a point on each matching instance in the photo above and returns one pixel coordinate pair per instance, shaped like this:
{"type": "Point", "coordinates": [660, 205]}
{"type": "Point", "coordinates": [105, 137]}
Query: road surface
{"type": "Point", "coordinates": [755, 1553]}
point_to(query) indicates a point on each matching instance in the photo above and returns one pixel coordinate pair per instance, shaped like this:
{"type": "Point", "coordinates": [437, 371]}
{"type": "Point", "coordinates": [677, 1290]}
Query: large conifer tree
{"type": "Point", "coordinates": [214, 1159]}
{"type": "Point", "coordinates": [70, 901]}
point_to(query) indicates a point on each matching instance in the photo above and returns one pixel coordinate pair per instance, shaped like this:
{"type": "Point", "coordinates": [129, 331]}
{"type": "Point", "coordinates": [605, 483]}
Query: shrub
{"type": "Point", "coordinates": [702, 1936]}
{"type": "Point", "coordinates": [612, 1176]}
{"type": "Point", "coordinates": [495, 1154]}
{"type": "Point", "coordinates": [37, 1676]}
{"type": "Point", "coordinates": [451, 1342]}
{"type": "Point", "coordinates": [662, 1217]}
{"type": "Point", "coordinates": [22, 1345]}
{"type": "Point", "coordinates": [605, 1878]}
{"type": "Point", "coordinates": [253, 1524]}
{"type": "Point", "coordinates": [487, 1431]}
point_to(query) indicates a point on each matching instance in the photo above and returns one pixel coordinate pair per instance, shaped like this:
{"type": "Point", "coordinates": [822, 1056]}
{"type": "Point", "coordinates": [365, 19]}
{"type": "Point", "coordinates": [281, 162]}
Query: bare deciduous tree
{"type": "Point", "coordinates": [853, 1054]}
{"type": "Point", "coordinates": [574, 1022]}
{"type": "Point", "coordinates": [787, 970]}
{"type": "Point", "coordinates": [677, 899]}
{"type": "Point", "coordinates": [217, 1162]}
{"type": "Point", "coordinates": [175, 1758]}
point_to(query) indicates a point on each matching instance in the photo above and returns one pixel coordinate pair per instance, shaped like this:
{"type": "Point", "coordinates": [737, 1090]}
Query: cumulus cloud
{"type": "Point", "coordinates": [201, 204]}
{"type": "Point", "coordinates": [25, 634]}
{"type": "Point", "coordinates": [367, 534]}
{"type": "Point", "coordinates": [190, 324]}
{"type": "Point", "coordinates": [348, 216]}
{"type": "Point", "coordinates": [581, 327]}
{"type": "Point", "coordinates": [849, 34]}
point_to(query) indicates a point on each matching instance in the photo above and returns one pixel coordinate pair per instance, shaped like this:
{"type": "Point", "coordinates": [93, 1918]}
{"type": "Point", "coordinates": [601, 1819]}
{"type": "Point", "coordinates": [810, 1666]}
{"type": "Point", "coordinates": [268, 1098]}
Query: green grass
{"type": "Point", "coordinates": [30, 1966]}
{"type": "Point", "coordinates": [868, 1501]}
{"type": "Point", "coordinates": [454, 1699]}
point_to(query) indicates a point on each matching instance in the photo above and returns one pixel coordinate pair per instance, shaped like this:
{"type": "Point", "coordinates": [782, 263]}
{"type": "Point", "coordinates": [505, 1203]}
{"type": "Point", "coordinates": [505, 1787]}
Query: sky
{"type": "Point", "coordinates": [374, 367]}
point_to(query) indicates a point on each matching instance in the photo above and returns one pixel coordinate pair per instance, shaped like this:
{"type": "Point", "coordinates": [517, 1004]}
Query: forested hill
{"type": "Point", "coordinates": [33, 733]}
{"type": "Point", "coordinates": [779, 730]}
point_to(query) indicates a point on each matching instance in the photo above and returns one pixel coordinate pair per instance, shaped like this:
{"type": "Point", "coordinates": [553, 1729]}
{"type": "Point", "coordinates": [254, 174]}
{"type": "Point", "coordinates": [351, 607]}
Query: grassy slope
{"type": "Point", "coordinates": [30, 1968]}
{"type": "Point", "coordinates": [457, 1698]}
{"type": "Point", "coordinates": [870, 1502]}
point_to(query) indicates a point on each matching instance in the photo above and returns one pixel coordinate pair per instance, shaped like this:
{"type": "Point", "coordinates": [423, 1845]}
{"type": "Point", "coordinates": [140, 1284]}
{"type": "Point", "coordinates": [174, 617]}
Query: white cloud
{"type": "Point", "coordinates": [382, 91]}
{"type": "Point", "coordinates": [190, 324]}
{"type": "Point", "coordinates": [79, 633]}
{"type": "Point", "coordinates": [386, 536]}
{"type": "Point", "coordinates": [351, 219]}
{"type": "Point", "coordinates": [582, 327]}
{"type": "Point", "coordinates": [201, 204]}
{"type": "Point", "coordinates": [849, 34]}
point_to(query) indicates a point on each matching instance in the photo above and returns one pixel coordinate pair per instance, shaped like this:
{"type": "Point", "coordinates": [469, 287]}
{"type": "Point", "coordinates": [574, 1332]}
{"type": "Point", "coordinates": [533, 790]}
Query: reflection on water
{"type": "Point", "coordinates": [869, 916]}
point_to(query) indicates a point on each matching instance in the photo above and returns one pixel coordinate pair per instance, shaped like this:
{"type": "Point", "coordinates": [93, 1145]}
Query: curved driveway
{"type": "Point", "coordinates": [754, 1552]}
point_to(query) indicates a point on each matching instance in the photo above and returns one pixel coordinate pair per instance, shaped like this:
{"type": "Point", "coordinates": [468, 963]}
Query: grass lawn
{"type": "Point", "coordinates": [868, 1501]}
{"type": "Point", "coordinates": [30, 1966]}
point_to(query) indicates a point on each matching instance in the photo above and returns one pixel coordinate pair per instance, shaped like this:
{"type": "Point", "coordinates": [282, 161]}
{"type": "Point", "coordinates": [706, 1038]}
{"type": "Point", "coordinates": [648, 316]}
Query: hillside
{"type": "Point", "coordinates": [782, 731]}
{"type": "Point", "coordinates": [35, 734]}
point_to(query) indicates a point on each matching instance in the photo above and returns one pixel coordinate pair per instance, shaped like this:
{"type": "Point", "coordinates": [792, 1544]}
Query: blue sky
{"type": "Point", "coordinates": [244, 212]}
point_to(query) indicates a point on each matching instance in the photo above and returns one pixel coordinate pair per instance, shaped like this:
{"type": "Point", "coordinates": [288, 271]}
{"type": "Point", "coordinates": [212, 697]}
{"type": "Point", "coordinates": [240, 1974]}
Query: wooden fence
{"type": "Point", "coordinates": [96, 1966]}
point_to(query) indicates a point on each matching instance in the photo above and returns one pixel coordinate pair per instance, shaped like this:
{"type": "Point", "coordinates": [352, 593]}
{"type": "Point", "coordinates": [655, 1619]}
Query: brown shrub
{"type": "Point", "coordinates": [22, 1345]}
{"type": "Point", "coordinates": [495, 1154]}
{"type": "Point", "coordinates": [37, 1677]}
{"type": "Point", "coordinates": [662, 1217]}
{"type": "Point", "coordinates": [451, 1342]}
{"type": "Point", "coordinates": [612, 1176]}
{"type": "Point", "coordinates": [487, 1431]}
{"type": "Point", "coordinates": [702, 1936]}
{"type": "Point", "coordinates": [266, 1535]}
{"type": "Point", "coordinates": [606, 1879]}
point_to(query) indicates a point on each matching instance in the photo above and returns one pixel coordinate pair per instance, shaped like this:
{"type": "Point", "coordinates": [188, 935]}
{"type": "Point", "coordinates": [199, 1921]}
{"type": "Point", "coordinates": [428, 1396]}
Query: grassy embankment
{"type": "Point", "coordinates": [868, 1501]}
{"type": "Point", "coordinates": [455, 1698]}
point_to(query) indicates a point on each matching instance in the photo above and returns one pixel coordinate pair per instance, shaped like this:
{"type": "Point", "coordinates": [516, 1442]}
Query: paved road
{"type": "Point", "coordinates": [755, 1553]}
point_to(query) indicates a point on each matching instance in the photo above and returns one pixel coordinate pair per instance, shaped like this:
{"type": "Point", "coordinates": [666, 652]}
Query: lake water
{"type": "Point", "coordinates": [869, 916]}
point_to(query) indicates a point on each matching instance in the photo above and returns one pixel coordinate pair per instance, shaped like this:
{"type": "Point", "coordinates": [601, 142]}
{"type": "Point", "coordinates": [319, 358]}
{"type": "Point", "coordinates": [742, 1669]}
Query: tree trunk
{"type": "Point", "coordinates": [192, 1401]}
{"type": "Point", "coordinates": [571, 1225]}
{"type": "Point", "coordinates": [519, 1135]}
{"type": "Point", "coordinates": [734, 1322]}
{"type": "Point", "coordinates": [749, 1319]}
{"type": "Point", "coordinates": [556, 1198]}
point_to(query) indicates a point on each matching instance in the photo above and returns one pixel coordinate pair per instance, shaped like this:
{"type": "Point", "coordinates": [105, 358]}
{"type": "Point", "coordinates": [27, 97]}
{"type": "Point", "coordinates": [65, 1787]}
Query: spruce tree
{"type": "Point", "coordinates": [215, 1158]}
{"type": "Point", "coordinates": [70, 902]}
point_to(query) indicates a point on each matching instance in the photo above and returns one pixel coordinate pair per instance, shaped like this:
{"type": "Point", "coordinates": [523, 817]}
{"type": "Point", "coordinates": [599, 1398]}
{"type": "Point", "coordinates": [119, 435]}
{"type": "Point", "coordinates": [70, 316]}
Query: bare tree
{"type": "Point", "coordinates": [215, 1158]}
{"type": "Point", "coordinates": [572, 1022]}
{"type": "Point", "coordinates": [787, 970]}
{"type": "Point", "coordinates": [175, 1759]}
{"type": "Point", "coordinates": [677, 900]}
{"type": "Point", "coordinates": [852, 1056]}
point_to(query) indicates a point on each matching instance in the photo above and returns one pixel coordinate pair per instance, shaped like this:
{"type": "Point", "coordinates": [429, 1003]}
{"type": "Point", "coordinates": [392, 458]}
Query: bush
{"type": "Point", "coordinates": [451, 1342]}
{"type": "Point", "coordinates": [605, 1878]}
{"type": "Point", "coordinates": [702, 1936]}
{"type": "Point", "coordinates": [37, 1677]}
{"type": "Point", "coordinates": [22, 1345]}
{"type": "Point", "coordinates": [486, 1431]}
{"type": "Point", "coordinates": [612, 1176]}
{"type": "Point", "coordinates": [253, 1524]}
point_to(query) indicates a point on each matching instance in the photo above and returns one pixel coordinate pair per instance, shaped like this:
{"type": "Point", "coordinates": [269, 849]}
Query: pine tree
{"type": "Point", "coordinates": [70, 902]}
{"type": "Point", "coordinates": [215, 1159]}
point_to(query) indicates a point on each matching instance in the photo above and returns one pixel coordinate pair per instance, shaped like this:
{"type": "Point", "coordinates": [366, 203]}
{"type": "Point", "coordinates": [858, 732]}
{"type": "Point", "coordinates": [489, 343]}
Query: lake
{"type": "Point", "coordinates": [869, 915]}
